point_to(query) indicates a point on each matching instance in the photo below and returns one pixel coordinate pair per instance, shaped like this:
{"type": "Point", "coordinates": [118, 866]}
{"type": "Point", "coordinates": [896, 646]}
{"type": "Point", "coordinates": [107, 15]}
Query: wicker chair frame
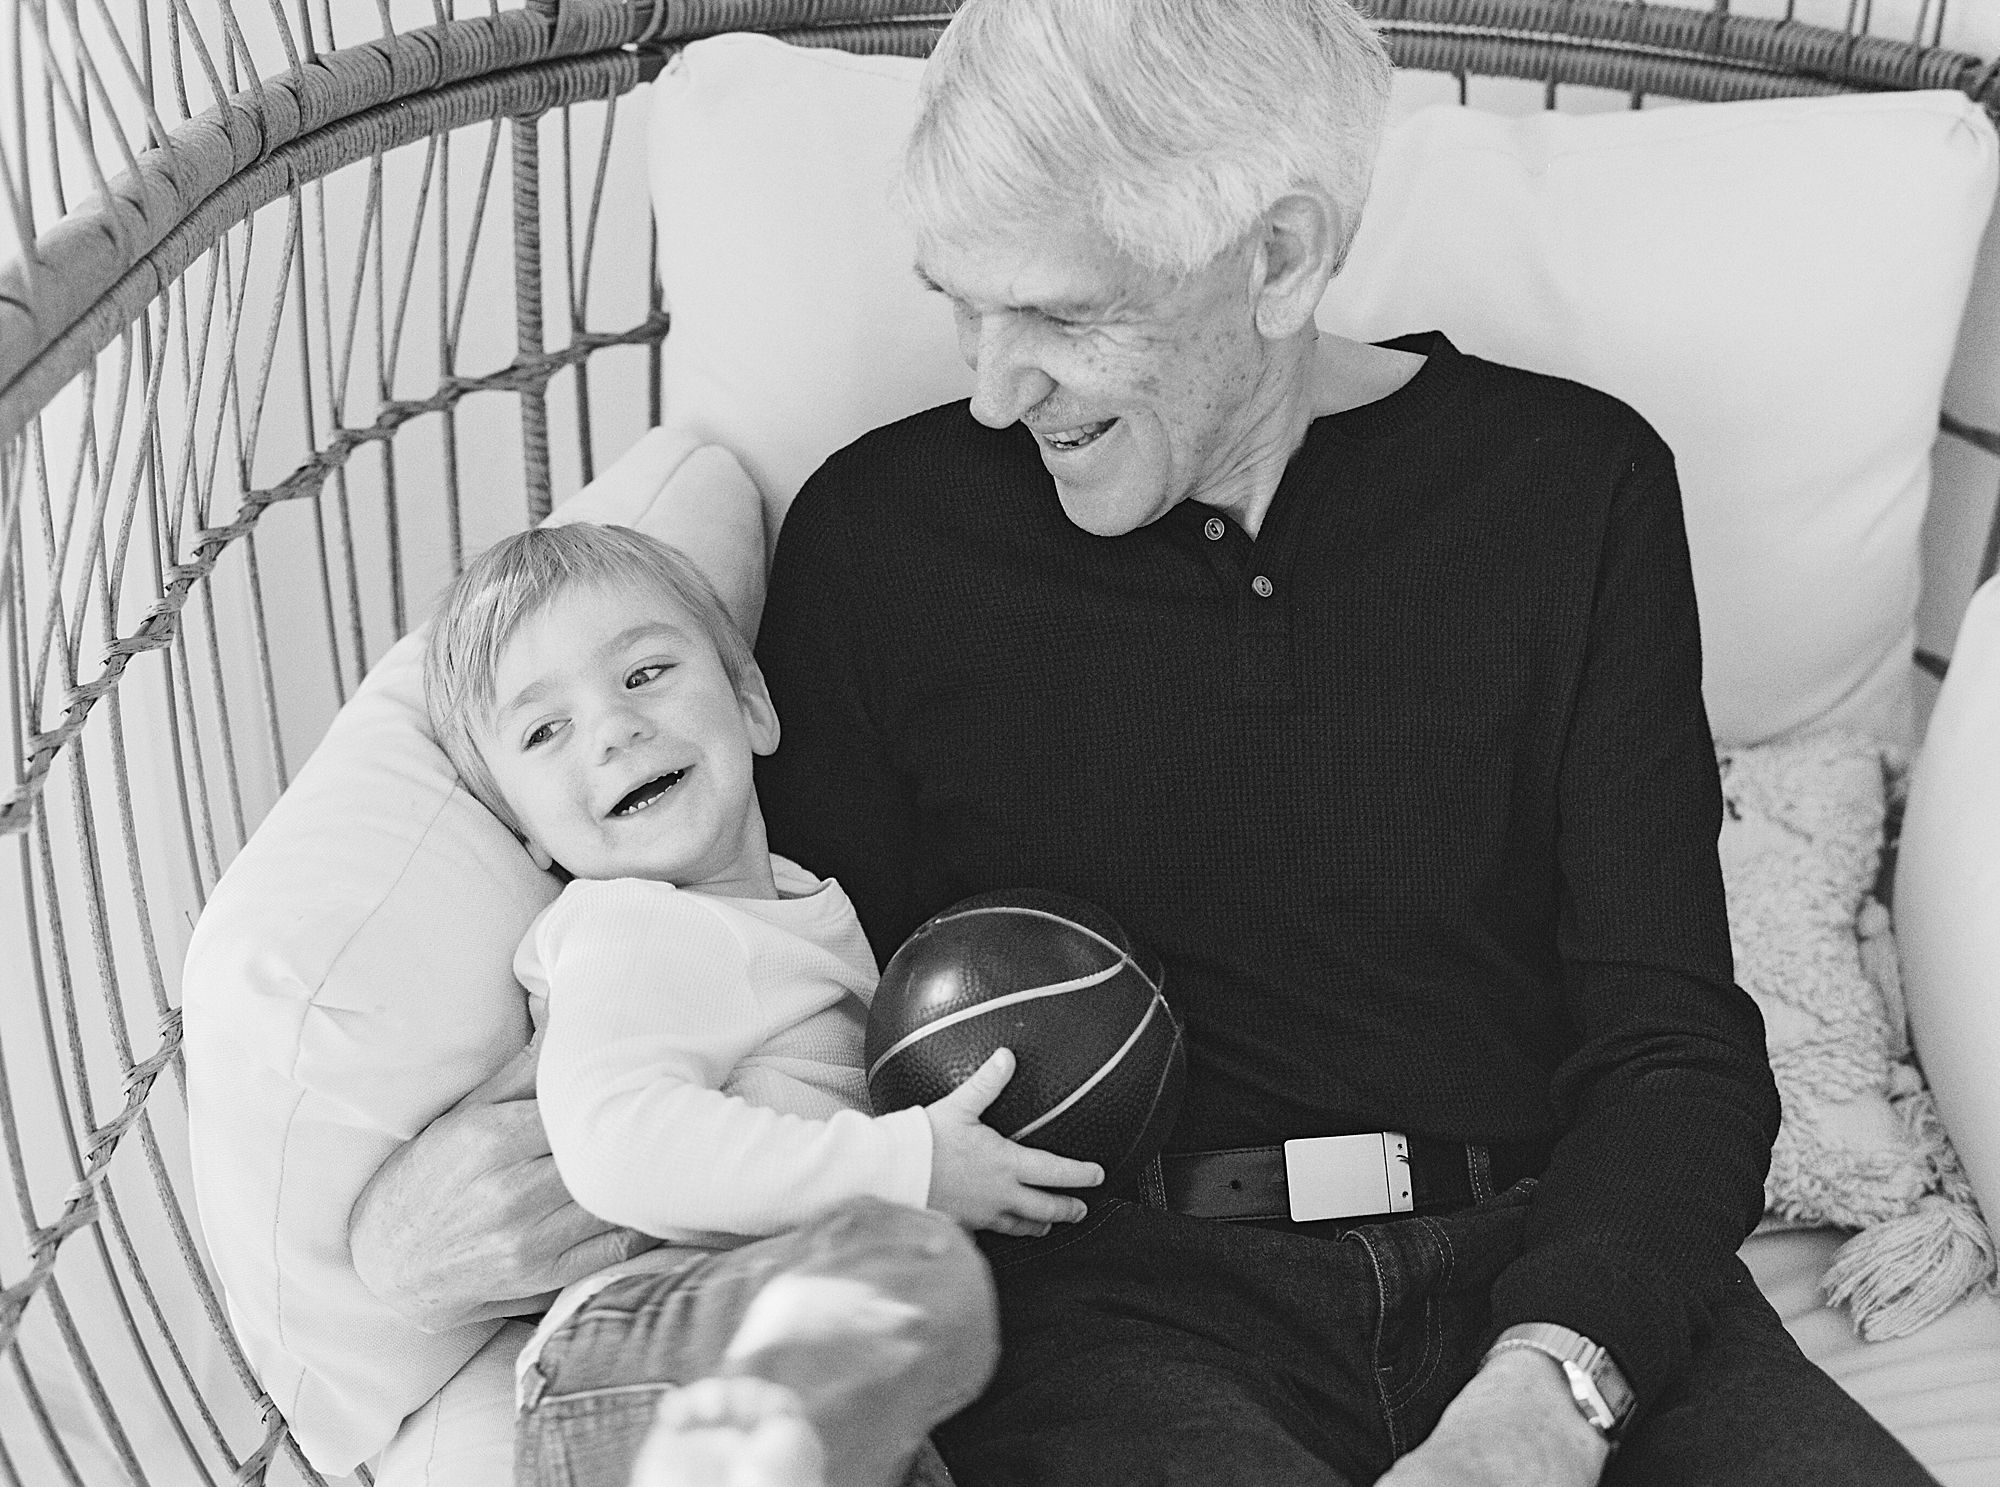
{"type": "Point", "coordinates": [138, 474]}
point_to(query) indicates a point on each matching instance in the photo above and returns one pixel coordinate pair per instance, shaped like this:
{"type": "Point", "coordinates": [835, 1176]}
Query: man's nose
{"type": "Point", "coordinates": [1008, 378]}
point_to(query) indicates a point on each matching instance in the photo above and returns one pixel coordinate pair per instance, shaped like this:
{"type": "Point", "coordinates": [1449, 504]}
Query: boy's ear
{"type": "Point", "coordinates": [759, 715]}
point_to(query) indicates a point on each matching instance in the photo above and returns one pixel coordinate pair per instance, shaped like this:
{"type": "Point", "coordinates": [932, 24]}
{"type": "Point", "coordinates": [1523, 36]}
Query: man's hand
{"type": "Point", "coordinates": [468, 1221]}
{"type": "Point", "coordinates": [1512, 1425]}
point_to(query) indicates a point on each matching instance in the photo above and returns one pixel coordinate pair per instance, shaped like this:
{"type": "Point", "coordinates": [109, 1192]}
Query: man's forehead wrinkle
{"type": "Point", "coordinates": [1062, 302]}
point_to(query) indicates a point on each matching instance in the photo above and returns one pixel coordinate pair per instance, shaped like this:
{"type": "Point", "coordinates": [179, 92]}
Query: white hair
{"type": "Point", "coordinates": [1173, 123]}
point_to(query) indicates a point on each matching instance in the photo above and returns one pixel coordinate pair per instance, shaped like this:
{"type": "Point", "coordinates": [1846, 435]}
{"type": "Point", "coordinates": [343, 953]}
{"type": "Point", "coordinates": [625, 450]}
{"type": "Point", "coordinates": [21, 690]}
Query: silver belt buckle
{"type": "Point", "coordinates": [1339, 1177]}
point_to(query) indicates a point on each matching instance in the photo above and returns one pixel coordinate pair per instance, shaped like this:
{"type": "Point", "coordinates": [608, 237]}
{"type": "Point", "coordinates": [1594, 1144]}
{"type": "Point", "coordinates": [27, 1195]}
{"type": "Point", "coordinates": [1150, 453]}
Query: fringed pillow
{"type": "Point", "coordinates": [1861, 1146]}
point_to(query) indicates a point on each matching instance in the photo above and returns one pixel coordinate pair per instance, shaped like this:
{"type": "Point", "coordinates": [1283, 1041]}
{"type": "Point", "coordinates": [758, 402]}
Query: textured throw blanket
{"type": "Point", "coordinates": [1861, 1147]}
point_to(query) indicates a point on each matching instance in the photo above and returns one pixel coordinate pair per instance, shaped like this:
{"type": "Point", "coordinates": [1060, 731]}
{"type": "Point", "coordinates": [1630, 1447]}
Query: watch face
{"type": "Point", "coordinates": [1602, 1396]}
{"type": "Point", "coordinates": [1589, 1399]}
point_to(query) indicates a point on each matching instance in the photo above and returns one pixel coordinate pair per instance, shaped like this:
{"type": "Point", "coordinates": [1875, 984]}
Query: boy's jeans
{"type": "Point", "coordinates": [880, 1317]}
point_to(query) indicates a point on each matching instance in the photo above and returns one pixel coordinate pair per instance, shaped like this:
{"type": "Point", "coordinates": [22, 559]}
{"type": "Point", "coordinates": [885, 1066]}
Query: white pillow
{"type": "Point", "coordinates": [1776, 286]}
{"type": "Point", "coordinates": [1948, 898]}
{"type": "Point", "coordinates": [352, 977]}
{"type": "Point", "coordinates": [798, 321]}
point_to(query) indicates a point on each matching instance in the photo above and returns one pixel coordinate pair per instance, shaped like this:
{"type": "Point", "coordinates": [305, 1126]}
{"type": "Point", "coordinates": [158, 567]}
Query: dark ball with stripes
{"type": "Point", "coordinates": [1099, 1065]}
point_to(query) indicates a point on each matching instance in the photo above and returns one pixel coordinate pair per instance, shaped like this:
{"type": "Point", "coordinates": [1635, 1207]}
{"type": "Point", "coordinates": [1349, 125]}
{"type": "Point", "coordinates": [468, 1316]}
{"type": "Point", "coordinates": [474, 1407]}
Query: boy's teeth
{"type": "Point", "coordinates": [647, 793]}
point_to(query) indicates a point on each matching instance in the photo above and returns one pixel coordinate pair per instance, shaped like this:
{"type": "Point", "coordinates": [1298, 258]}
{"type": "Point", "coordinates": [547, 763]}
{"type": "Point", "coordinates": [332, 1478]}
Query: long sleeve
{"type": "Point", "coordinates": [653, 1005]}
{"type": "Point", "coordinates": [1667, 1100]}
{"type": "Point", "coordinates": [834, 793]}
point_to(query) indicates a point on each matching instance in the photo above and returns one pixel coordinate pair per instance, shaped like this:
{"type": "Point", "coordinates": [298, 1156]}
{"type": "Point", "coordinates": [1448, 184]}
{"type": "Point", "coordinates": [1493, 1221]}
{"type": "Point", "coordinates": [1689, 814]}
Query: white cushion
{"type": "Point", "coordinates": [1776, 286]}
{"type": "Point", "coordinates": [798, 322]}
{"type": "Point", "coordinates": [464, 1435]}
{"type": "Point", "coordinates": [1934, 1389]}
{"type": "Point", "coordinates": [352, 977]}
{"type": "Point", "coordinates": [1948, 898]}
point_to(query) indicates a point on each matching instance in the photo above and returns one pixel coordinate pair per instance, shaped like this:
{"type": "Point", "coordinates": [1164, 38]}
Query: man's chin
{"type": "Point", "coordinates": [1103, 513]}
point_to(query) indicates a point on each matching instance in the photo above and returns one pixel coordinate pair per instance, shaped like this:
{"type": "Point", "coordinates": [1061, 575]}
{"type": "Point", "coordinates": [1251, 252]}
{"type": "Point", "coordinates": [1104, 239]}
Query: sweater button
{"type": "Point", "coordinates": [1261, 586]}
{"type": "Point", "coordinates": [1213, 529]}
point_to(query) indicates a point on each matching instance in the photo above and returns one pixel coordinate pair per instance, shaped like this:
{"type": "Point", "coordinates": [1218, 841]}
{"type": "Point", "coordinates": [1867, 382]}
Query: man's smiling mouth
{"type": "Point", "coordinates": [647, 793]}
{"type": "Point", "coordinates": [1080, 437]}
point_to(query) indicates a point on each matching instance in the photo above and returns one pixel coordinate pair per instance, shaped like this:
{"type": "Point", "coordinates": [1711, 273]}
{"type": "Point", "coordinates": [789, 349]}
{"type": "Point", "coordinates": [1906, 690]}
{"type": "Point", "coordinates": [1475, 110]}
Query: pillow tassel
{"type": "Point", "coordinates": [1900, 1274]}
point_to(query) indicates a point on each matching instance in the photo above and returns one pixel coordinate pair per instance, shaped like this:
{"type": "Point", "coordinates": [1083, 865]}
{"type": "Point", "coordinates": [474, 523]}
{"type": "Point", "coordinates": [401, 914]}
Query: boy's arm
{"type": "Point", "coordinates": [650, 1009]}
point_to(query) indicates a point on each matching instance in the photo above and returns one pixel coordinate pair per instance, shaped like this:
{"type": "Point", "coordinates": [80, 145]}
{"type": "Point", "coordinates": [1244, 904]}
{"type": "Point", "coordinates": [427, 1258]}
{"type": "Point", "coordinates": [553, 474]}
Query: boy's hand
{"type": "Point", "coordinates": [984, 1180]}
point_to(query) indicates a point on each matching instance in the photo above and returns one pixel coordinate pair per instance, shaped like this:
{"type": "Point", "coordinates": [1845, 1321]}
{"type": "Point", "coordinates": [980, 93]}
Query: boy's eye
{"type": "Point", "coordinates": [643, 674]}
{"type": "Point", "coordinates": [540, 734]}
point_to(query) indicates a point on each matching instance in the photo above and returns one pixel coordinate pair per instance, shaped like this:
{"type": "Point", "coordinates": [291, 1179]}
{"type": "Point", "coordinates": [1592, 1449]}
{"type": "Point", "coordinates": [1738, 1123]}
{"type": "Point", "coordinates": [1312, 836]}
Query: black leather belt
{"type": "Point", "coordinates": [1252, 1182]}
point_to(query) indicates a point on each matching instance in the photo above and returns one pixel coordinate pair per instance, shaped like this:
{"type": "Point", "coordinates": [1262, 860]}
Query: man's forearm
{"type": "Point", "coordinates": [469, 1221]}
{"type": "Point", "coordinates": [1514, 1424]}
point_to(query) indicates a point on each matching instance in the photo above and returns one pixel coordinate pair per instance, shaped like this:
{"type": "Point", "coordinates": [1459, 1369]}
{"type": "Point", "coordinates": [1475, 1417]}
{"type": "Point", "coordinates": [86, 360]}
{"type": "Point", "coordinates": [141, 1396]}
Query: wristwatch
{"type": "Point", "coordinates": [1601, 1393]}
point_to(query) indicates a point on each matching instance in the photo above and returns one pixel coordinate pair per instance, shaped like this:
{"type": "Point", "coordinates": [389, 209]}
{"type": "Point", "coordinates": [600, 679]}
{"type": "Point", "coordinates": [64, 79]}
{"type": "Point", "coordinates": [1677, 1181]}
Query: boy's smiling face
{"type": "Point", "coordinates": [623, 749]}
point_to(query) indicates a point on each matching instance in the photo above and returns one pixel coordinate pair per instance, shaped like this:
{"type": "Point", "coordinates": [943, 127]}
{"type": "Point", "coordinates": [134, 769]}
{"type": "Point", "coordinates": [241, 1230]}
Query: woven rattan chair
{"type": "Point", "coordinates": [291, 292]}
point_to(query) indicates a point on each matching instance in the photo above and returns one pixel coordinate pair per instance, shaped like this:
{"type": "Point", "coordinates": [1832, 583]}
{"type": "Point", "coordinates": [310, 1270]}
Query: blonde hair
{"type": "Point", "coordinates": [515, 580]}
{"type": "Point", "coordinates": [1173, 123]}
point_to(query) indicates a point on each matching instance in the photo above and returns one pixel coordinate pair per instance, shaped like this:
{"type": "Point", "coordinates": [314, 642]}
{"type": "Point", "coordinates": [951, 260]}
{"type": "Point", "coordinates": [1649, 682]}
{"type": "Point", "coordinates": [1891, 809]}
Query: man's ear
{"type": "Point", "coordinates": [1297, 253]}
{"type": "Point", "coordinates": [759, 716]}
{"type": "Point", "coordinates": [538, 854]}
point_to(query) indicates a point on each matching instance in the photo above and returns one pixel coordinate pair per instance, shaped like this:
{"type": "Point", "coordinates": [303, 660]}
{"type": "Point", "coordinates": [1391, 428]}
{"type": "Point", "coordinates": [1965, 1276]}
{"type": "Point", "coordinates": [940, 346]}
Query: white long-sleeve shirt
{"type": "Point", "coordinates": [700, 1075]}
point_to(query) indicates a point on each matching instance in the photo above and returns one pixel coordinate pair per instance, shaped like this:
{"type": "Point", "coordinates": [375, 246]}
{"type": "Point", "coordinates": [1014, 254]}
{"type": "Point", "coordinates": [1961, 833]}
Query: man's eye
{"type": "Point", "coordinates": [643, 674]}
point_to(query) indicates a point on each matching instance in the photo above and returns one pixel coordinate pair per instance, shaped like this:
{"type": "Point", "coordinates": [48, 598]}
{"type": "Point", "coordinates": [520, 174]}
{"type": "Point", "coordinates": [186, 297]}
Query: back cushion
{"type": "Point", "coordinates": [1948, 898]}
{"type": "Point", "coordinates": [352, 977]}
{"type": "Point", "coordinates": [1776, 286]}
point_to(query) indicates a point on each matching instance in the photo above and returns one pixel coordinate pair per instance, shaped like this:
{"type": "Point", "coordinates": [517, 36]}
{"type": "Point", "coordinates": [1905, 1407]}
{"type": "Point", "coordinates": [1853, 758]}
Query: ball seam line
{"type": "Point", "coordinates": [1103, 1072]}
{"type": "Point", "coordinates": [1113, 946]}
{"type": "Point", "coordinates": [1174, 1049]}
{"type": "Point", "coordinates": [1080, 983]}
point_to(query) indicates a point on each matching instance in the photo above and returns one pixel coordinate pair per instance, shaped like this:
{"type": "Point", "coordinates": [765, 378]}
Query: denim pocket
{"type": "Point", "coordinates": [590, 1439]}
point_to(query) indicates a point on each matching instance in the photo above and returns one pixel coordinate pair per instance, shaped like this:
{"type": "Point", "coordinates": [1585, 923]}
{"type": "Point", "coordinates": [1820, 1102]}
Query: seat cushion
{"type": "Point", "coordinates": [1937, 1390]}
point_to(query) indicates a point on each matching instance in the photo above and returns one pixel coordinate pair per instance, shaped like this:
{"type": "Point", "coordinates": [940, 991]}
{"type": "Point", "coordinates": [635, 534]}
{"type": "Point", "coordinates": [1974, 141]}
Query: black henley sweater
{"type": "Point", "coordinates": [1414, 793]}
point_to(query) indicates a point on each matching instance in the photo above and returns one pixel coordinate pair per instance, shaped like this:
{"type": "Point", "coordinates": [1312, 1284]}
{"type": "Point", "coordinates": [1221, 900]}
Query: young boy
{"type": "Point", "coordinates": [701, 1006]}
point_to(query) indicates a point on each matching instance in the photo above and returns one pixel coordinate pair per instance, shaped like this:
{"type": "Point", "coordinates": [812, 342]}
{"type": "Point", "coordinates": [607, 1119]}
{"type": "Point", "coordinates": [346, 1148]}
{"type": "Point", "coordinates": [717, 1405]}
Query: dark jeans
{"type": "Point", "coordinates": [885, 1327]}
{"type": "Point", "coordinates": [1142, 1348]}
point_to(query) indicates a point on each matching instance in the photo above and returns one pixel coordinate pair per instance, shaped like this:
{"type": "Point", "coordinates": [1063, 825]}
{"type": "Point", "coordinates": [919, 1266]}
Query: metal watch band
{"type": "Point", "coordinates": [1602, 1396]}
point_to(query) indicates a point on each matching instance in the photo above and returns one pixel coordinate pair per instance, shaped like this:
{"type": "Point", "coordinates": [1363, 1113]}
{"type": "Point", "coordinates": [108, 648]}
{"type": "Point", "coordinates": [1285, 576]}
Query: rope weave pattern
{"type": "Point", "coordinates": [160, 627]}
{"type": "Point", "coordinates": [212, 331]}
{"type": "Point", "coordinates": [252, 371]}
{"type": "Point", "coordinates": [1707, 55]}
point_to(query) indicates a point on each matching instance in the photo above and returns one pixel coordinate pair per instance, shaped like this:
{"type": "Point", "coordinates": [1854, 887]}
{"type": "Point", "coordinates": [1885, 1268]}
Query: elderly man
{"type": "Point", "coordinates": [1361, 682]}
